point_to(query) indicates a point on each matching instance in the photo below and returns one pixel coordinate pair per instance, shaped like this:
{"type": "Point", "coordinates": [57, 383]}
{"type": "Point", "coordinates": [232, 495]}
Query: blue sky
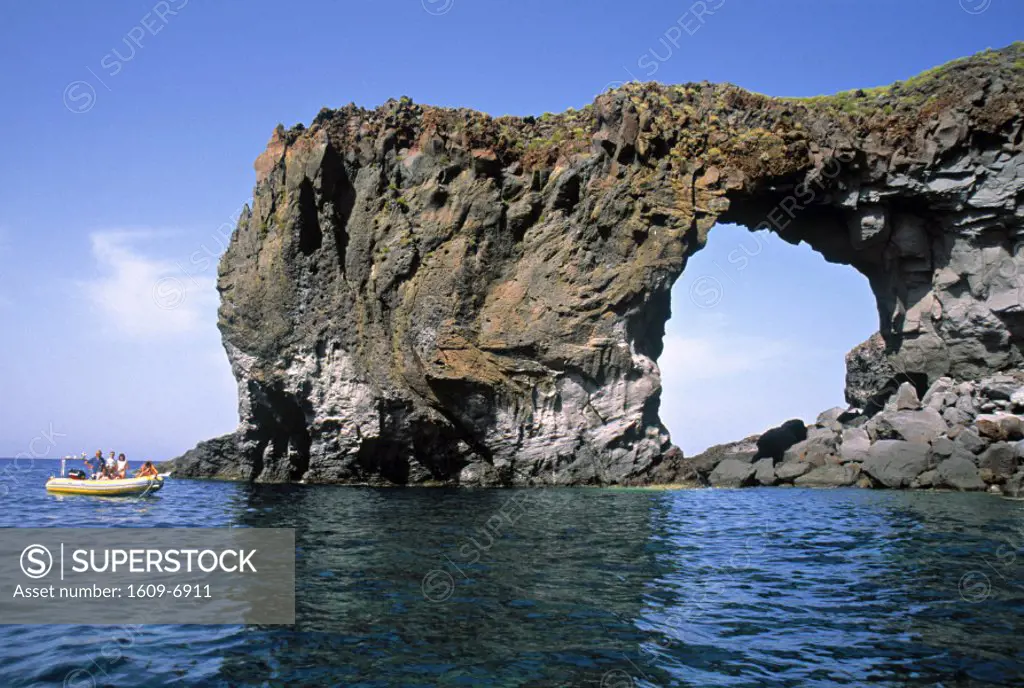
{"type": "Point", "coordinates": [131, 128]}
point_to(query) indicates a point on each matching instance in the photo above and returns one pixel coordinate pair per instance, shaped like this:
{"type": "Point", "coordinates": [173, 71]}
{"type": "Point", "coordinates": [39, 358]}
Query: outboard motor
{"type": "Point", "coordinates": [77, 474]}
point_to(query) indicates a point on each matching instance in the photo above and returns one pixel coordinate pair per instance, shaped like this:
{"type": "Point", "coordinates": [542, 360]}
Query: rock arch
{"type": "Point", "coordinates": [487, 296]}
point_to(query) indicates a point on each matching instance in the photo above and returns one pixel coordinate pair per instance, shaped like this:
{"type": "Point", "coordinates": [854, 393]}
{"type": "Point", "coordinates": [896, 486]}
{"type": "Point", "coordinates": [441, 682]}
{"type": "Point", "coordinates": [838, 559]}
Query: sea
{"type": "Point", "coordinates": [607, 588]}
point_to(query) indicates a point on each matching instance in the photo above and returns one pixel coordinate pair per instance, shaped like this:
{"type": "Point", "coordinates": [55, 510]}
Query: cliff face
{"type": "Point", "coordinates": [422, 294]}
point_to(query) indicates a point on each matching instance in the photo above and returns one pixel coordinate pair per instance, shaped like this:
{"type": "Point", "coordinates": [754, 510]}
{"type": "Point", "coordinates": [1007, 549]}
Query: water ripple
{"type": "Point", "coordinates": [604, 588]}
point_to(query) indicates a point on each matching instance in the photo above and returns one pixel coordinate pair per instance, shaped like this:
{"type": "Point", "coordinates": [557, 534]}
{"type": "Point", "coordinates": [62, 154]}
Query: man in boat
{"type": "Point", "coordinates": [95, 465]}
{"type": "Point", "coordinates": [148, 470]}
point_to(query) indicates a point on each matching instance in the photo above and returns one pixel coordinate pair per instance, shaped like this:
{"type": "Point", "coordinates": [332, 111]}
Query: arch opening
{"type": "Point", "coordinates": [759, 333]}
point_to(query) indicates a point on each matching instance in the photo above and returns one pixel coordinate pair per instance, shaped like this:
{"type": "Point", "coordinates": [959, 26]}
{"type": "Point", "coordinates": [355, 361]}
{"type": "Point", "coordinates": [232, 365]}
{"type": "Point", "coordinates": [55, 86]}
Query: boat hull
{"type": "Point", "coordinates": [106, 488]}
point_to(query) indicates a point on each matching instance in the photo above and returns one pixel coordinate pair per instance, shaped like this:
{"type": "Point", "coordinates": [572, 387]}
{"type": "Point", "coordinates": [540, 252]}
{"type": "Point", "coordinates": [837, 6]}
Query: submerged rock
{"type": "Point", "coordinates": [1014, 487]}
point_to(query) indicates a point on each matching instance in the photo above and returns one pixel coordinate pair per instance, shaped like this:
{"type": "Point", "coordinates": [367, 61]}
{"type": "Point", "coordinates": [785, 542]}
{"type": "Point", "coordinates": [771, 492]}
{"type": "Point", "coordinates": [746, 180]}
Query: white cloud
{"type": "Point", "coordinates": [715, 357]}
{"type": "Point", "coordinates": [720, 350]}
{"type": "Point", "coordinates": [143, 297]}
{"type": "Point", "coordinates": [727, 383]}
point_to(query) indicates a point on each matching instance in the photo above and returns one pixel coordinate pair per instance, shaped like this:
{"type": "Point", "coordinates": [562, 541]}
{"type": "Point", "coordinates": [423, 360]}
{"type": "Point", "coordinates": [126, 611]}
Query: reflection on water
{"type": "Point", "coordinates": [609, 588]}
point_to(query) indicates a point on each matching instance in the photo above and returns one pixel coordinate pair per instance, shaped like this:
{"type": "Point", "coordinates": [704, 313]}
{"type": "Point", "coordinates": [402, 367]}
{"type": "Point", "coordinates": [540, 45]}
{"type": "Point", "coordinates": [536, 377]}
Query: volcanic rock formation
{"type": "Point", "coordinates": [426, 295]}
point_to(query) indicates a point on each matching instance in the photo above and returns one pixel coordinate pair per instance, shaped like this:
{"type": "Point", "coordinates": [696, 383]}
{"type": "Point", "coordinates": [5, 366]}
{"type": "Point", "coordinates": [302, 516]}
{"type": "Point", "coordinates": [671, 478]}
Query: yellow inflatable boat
{"type": "Point", "coordinates": [109, 488]}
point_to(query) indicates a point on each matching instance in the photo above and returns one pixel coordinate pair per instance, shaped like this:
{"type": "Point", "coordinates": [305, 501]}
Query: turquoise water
{"type": "Point", "coordinates": [602, 588]}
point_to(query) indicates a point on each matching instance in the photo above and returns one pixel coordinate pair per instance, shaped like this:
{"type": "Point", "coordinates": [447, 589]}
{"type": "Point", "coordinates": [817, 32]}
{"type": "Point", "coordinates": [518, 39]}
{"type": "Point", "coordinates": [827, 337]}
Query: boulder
{"type": "Point", "coordinates": [905, 399]}
{"type": "Point", "coordinates": [815, 450]}
{"type": "Point", "coordinates": [964, 389]}
{"type": "Point", "coordinates": [895, 463]}
{"type": "Point", "coordinates": [764, 472]}
{"type": "Point", "coordinates": [791, 471]}
{"type": "Point", "coordinates": [830, 415]}
{"type": "Point", "coordinates": [855, 445]}
{"type": "Point", "coordinates": [480, 474]}
{"type": "Point", "coordinates": [1017, 400]}
{"type": "Point", "coordinates": [942, 387]}
{"type": "Point", "coordinates": [924, 481]}
{"type": "Point", "coordinates": [999, 388]}
{"type": "Point", "coordinates": [830, 418]}
{"type": "Point", "coordinates": [959, 453]}
{"type": "Point", "coordinates": [941, 402]}
{"type": "Point", "coordinates": [970, 441]}
{"type": "Point", "coordinates": [673, 469]}
{"type": "Point", "coordinates": [775, 441]}
{"type": "Point", "coordinates": [997, 463]}
{"type": "Point", "coordinates": [869, 373]}
{"type": "Point", "coordinates": [220, 458]}
{"type": "Point", "coordinates": [959, 474]}
{"type": "Point", "coordinates": [702, 464]}
{"type": "Point", "coordinates": [920, 426]}
{"type": "Point", "coordinates": [965, 404]}
{"type": "Point", "coordinates": [732, 473]}
{"type": "Point", "coordinates": [1000, 426]}
{"type": "Point", "coordinates": [941, 448]}
{"type": "Point", "coordinates": [829, 476]}
{"type": "Point", "coordinates": [856, 421]}
{"type": "Point", "coordinates": [955, 416]}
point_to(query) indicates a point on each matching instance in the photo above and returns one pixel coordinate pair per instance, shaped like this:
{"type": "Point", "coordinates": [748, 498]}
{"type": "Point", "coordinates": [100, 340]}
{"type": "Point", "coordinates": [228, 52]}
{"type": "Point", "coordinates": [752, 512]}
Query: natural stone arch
{"type": "Point", "coordinates": [758, 333]}
{"type": "Point", "coordinates": [482, 300]}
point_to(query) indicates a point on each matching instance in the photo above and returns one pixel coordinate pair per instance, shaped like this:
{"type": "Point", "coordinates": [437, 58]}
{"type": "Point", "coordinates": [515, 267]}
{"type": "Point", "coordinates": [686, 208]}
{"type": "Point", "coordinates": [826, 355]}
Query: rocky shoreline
{"type": "Point", "coordinates": [965, 436]}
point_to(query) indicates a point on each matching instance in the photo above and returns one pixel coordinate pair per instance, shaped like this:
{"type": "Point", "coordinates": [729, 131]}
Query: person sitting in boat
{"type": "Point", "coordinates": [121, 468]}
{"type": "Point", "coordinates": [109, 471]}
{"type": "Point", "coordinates": [148, 470]}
